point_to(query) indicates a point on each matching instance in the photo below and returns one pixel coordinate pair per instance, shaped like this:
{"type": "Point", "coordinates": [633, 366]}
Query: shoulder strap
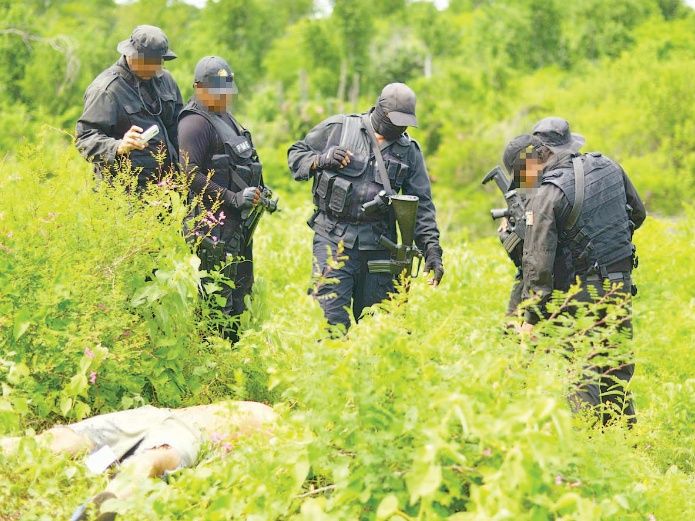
{"type": "Point", "coordinates": [381, 168]}
{"type": "Point", "coordinates": [578, 192]}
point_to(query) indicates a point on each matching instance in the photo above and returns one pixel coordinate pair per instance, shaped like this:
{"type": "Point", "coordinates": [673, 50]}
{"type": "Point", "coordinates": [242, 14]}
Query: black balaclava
{"type": "Point", "coordinates": [382, 124]}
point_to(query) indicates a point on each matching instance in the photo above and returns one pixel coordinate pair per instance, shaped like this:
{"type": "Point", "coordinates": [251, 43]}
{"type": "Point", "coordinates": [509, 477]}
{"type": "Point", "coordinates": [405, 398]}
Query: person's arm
{"type": "Point", "coordinates": [95, 129]}
{"type": "Point", "coordinates": [639, 212]}
{"type": "Point", "coordinates": [543, 215]}
{"type": "Point", "coordinates": [302, 156]}
{"type": "Point", "coordinates": [172, 127]}
{"type": "Point", "coordinates": [197, 139]}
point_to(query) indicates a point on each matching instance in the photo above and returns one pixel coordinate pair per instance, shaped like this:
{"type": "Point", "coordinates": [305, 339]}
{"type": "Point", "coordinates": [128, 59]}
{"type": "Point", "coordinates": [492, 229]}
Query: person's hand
{"type": "Point", "coordinates": [131, 141]}
{"type": "Point", "coordinates": [504, 225]}
{"type": "Point", "coordinates": [433, 264]}
{"type": "Point", "coordinates": [526, 330]}
{"type": "Point", "coordinates": [248, 197]}
{"type": "Point", "coordinates": [334, 158]}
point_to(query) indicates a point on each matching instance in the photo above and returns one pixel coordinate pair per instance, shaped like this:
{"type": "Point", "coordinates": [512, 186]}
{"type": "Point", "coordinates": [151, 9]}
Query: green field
{"type": "Point", "coordinates": [426, 409]}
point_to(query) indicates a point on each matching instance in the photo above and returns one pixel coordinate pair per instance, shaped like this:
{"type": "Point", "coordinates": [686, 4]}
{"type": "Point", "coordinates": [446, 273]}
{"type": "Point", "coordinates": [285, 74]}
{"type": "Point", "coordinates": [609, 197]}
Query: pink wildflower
{"type": "Point", "coordinates": [216, 437]}
{"type": "Point", "coordinates": [88, 353]}
{"type": "Point", "coordinates": [93, 377]}
{"type": "Point", "coordinates": [227, 447]}
{"type": "Point", "coordinates": [487, 453]}
{"type": "Point", "coordinates": [558, 480]}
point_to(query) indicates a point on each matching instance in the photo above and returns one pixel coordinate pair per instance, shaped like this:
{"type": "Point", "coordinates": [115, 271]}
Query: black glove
{"type": "Point", "coordinates": [247, 198]}
{"type": "Point", "coordinates": [334, 158]}
{"type": "Point", "coordinates": [433, 262]}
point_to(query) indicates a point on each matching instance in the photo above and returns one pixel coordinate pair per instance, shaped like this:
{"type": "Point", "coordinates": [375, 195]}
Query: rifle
{"type": "Point", "coordinates": [512, 237]}
{"type": "Point", "coordinates": [403, 255]}
{"type": "Point", "coordinates": [252, 216]}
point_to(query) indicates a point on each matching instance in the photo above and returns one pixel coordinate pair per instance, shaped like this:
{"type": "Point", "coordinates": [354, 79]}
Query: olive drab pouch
{"type": "Point", "coordinates": [340, 196]}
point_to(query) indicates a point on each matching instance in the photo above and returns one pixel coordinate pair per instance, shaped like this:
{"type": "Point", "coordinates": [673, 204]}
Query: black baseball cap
{"type": "Point", "coordinates": [148, 41]}
{"type": "Point", "coordinates": [555, 134]}
{"type": "Point", "coordinates": [215, 74]}
{"type": "Point", "coordinates": [398, 102]}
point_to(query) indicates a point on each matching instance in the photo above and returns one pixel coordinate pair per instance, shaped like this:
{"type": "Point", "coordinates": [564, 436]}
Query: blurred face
{"type": "Point", "coordinates": [213, 99]}
{"type": "Point", "coordinates": [530, 172]}
{"type": "Point", "coordinates": [145, 67]}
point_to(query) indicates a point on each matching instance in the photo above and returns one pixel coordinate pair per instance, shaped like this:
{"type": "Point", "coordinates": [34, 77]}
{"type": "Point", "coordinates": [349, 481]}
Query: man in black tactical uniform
{"type": "Point", "coordinates": [584, 210]}
{"type": "Point", "coordinates": [517, 153]}
{"type": "Point", "coordinates": [213, 142]}
{"type": "Point", "coordinates": [126, 99]}
{"type": "Point", "coordinates": [339, 155]}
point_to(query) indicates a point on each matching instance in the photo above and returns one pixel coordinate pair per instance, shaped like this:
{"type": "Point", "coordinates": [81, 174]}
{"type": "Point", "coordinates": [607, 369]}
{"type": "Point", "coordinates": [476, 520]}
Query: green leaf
{"type": "Point", "coordinates": [387, 507]}
{"type": "Point", "coordinates": [423, 480]}
{"type": "Point", "coordinates": [65, 405]}
{"type": "Point", "coordinates": [21, 323]}
{"type": "Point", "coordinates": [17, 372]}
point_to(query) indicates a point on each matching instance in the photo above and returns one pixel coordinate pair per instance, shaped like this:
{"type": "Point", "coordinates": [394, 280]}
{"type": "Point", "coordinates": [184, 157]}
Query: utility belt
{"type": "Point", "coordinates": [614, 271]}
{"type": "Point", "coordinates": [614, 276]}
{"type": "Point", "coordinates": [620, 271]}
{"type": "Point", "coordinates": [362, 219]}
{"type": "Point", "coordinates": [328, 225]}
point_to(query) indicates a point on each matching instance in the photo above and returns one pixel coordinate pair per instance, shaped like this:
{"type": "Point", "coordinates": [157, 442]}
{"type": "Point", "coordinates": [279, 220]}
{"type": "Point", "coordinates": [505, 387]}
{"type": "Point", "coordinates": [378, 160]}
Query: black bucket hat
{"type": "Point", "coordinates": [555, 134]}
{"type": "Point", "coordinates": [148, 41]}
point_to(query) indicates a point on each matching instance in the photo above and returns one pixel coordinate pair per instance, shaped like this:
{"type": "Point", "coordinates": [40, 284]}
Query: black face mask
{"type": "Point", "coordinates": [382, 125]}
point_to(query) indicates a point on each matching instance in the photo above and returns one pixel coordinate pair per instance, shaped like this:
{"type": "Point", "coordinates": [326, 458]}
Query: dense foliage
{"type": "Point", "coordinates": [427, 409]}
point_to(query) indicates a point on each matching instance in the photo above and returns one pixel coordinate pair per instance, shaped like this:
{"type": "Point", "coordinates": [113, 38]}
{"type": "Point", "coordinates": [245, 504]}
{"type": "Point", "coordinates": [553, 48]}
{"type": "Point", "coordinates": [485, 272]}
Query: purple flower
{"type": "Point", "coordinates": [93, 377]}
{"type": "Point", "coordinates": [88, 353]}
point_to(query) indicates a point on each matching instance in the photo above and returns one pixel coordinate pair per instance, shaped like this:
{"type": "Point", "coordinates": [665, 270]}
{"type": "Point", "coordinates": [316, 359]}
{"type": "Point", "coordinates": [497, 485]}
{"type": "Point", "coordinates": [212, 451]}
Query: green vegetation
{"type": "Point", "coordinates": [426, 409]}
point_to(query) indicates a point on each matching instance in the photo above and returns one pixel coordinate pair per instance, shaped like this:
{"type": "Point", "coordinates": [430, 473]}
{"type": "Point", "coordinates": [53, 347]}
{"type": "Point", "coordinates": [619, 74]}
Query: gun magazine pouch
{"type": "Point", "coordinates": [340, 196]}
{"type": "Point", "coordinates": [322, 190]}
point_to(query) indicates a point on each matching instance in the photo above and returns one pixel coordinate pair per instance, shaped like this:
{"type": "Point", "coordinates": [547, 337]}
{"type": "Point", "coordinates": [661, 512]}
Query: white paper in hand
{"type": "Point", "coordinates": [97, 462]}
{"type": "Point", "coordinates": [149, 133]}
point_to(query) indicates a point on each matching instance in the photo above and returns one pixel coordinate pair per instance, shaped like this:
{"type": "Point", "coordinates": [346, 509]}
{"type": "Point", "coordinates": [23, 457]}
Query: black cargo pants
{"type": "Point", "coordinates": [352, 284]}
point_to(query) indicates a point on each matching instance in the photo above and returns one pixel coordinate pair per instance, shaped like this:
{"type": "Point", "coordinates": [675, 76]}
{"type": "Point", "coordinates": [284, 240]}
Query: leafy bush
{"type": "Point", "coordinates": [426, 409]}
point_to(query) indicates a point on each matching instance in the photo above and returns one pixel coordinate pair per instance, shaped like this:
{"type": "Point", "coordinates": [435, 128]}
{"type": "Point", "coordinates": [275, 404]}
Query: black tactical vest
{"type": "Point", "coordinates": [118, 81]}
{"type": "Point", "coordinates": [602, 234]}
{"type": "Point", "coordinates": [238, 166]}
{"type": "Point", "coordinates": [341, 194]}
